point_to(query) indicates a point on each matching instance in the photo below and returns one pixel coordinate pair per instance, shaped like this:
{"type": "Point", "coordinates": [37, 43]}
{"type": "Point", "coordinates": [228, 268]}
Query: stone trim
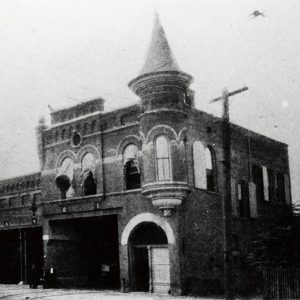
{"type": "Point", "coordinates": [147, 217]}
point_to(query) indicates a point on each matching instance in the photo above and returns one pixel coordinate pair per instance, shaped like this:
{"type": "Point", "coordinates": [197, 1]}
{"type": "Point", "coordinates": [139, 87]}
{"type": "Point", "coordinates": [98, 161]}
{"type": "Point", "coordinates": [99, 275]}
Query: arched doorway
{"type": "Point", "coordinates": [149, 259]}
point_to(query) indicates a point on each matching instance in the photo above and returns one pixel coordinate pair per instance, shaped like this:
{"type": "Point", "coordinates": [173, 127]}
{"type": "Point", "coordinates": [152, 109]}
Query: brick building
{"type": "Point", "coordinates": [131, 199]}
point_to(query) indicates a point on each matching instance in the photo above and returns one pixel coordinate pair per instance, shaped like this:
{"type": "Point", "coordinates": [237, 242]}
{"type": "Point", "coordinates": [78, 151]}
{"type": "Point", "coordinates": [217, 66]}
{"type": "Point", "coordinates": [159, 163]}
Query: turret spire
{"type": "Point", "coordinates": [159, 57]}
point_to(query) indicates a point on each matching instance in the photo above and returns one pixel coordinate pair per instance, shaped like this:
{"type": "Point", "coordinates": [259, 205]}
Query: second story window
{"type": "Point", "coordinates": [279, 188]}
{"type": "Point", "coordinates": [88, 181]}
{"type": "Point", "coordinates": [210, 170]}
{"type": "Point", "coordinates": [243, 200]}
{"type": "Point", "coordinates": [64, 178]}
{"type": "Point", "coordinates": [131, 167]}
{"type": "Point", "coordinates": [240, 199]}
{"type": "Point", "coordinates": [162, 158]}
{"type": "Point", "coordinates": [271, 184]}
{"type": "Point", "coordinates": [199, 165]}
{"type": "Point", "coordinates": [266, 183]}
{"type": "Point", "coordinates": [258, 181]}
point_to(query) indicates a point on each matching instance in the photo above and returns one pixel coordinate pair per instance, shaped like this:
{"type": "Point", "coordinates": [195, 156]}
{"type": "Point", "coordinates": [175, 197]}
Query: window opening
{"type": "Point", "coordinates": [88, 180]}
{"type": "Point", "coordinates": [210, 176]}
{"type": "Point", "coordinates": [131, 167]}
{"type": "Point", "coordinates": [163, 158]}
{"type": "Point", "coordinates": [64, 178]}
{"type": "Point", "coordinates": [279, 188]}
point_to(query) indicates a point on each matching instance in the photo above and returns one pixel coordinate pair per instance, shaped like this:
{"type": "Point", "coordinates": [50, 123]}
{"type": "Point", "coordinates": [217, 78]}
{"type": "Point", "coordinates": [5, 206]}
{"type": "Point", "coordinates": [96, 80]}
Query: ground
{"type": "Point", "coordinates": [23, 292]}
{"type": "Point", "coordinates": [18, 292]}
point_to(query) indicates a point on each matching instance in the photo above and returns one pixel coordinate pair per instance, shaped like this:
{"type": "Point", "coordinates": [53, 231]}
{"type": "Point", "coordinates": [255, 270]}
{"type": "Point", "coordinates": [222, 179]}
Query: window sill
{"type": "Point", "coordinates": [206, 191]}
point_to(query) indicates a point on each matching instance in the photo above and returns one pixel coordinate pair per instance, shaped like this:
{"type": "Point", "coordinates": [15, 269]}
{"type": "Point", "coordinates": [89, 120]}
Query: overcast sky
{"type": "Point", "coordinates": [61, 52]}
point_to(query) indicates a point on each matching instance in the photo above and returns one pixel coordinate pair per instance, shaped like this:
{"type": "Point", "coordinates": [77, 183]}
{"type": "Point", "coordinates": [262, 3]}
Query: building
{"type": "Point", "coordinates": [132, 199]}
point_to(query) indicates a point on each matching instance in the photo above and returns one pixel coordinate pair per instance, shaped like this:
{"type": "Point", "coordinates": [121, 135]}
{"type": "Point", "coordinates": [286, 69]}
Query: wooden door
{"type": "Point", "coordinates": [159, 270]}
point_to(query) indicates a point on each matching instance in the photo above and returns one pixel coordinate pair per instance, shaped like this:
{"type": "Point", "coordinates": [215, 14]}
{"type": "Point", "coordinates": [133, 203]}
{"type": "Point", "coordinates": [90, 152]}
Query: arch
{"type": "Point", "coordinates": [182, 134]}
{"type": "Point", "coordinates": [88, 162]}
{"type": "Point", "coordinates": [161, 130]}
{"type": "Point", "coordinates": [129, 139]}
{"type": "Point", "coordinates": [63, 155]}
{"type": "Point", "coordinates": [88, 149]}
{"type": "Point", "coordinates": [142, 137]}
{"type": "Point", "coordinates": [147, 217]}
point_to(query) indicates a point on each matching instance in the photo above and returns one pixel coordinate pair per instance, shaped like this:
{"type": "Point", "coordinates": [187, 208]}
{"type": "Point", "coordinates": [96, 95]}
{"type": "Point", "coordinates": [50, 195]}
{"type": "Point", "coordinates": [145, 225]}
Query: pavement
{"type": "Point", "coordinates": [18, 292]}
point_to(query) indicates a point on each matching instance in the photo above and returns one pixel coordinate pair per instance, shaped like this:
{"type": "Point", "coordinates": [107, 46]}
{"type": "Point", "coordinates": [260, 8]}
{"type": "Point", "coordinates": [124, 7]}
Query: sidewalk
{"type": "Point", "coordinates": [18, 292]}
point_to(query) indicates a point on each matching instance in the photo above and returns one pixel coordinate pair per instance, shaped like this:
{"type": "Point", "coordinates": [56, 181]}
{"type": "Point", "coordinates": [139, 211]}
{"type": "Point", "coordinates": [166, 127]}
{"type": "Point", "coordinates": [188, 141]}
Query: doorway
{"type": "Point", "coordinates": [20, 249]}
{"type": "Point", "coordinates": [85, 252]}
{"type": "Point", "coordinates": [150, 263]}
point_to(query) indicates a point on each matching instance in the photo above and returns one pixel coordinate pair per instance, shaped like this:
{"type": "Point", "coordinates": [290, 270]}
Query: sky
{"type": "Point", "coordinates": [62, 52]}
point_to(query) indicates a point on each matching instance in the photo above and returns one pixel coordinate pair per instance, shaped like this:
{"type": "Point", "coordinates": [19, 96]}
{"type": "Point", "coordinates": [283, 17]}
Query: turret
{"type": "Point", "coordinates": [166, 100]}
{"type": "Point", "coordinates": [161, 84]}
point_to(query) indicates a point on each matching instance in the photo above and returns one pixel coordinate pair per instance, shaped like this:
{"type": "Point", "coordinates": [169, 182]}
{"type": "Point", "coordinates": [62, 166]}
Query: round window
{"type": "Point", "coordinates": [76, 139]}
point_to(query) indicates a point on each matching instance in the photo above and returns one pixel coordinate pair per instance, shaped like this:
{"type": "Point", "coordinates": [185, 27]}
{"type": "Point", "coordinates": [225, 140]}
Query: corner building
{"type": "Point", "coordinates": [132, 199]}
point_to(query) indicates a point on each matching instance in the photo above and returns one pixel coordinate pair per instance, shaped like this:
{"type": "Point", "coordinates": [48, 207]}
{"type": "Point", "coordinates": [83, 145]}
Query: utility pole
{"type": "Point", "coordinates": [227, 230]}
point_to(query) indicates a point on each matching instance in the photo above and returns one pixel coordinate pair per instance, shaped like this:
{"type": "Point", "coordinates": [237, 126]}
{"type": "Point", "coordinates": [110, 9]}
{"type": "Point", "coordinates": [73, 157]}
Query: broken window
{"type": "Point", "coordinates": [210, 170]}
{"type": "Point", "coordinates": [64, 178]}
{"type": "Point", "coordinates": [88, 180]}
{"type": "Point", "coordinates": [131, 167]}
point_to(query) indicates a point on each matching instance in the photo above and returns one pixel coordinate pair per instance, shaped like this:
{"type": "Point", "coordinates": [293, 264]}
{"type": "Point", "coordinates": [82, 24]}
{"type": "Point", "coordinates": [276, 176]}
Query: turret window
{"type": "Point", "coordinates": [131, 167]}
{"type": "Point", "coordinates": [163, 158]}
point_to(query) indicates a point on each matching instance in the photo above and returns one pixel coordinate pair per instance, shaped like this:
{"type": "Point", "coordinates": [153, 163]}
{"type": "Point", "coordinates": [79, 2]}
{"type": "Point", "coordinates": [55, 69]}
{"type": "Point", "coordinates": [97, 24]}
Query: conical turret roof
{"type": "Point", "coordinates": [159, 57]}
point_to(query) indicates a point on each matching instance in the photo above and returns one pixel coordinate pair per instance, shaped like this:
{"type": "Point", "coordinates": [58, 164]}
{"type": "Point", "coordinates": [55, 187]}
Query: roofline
{"type": "Point", "coordinates": [244, 128]}
{"type": "Point", "coordinates": [20, 177]}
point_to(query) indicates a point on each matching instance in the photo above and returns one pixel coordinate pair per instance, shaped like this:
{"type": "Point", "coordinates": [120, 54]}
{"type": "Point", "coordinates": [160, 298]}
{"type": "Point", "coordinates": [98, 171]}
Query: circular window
{"type": "Point", "coordinates": [76, 139]}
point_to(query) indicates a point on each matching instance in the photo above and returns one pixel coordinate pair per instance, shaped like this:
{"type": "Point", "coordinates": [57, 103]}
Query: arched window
{"type": "Point", "coordinates": [210, 169]}
{"type": "Point", "coordinates": [63, 134]}
{"type": "Point", "coordinates": [85, 128]}
{"type": "Point", "coordinates": [56, 136]}
{"type": "Point", "coordinates": [163, 158]}
{"type": "Point", "coordinates": [131, 167]}
{"type": "Point", "coordinates": [64, 178]}
{"type": "Point", "coordinates": [70, 132]}
{"type": "Point", "coordinates": [199, 165]}
{"type": "Point", "coordinates": [88, 181]}
{"type": "Point", "coordinates": [93, 126]}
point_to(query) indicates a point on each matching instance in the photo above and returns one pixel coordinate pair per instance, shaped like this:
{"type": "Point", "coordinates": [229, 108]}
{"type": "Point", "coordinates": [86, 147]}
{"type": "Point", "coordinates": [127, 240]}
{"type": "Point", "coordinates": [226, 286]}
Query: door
{"type": "Point", "coordinates": [160, 270]}
{"type": "Point", "coordinates": [141, 269]}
